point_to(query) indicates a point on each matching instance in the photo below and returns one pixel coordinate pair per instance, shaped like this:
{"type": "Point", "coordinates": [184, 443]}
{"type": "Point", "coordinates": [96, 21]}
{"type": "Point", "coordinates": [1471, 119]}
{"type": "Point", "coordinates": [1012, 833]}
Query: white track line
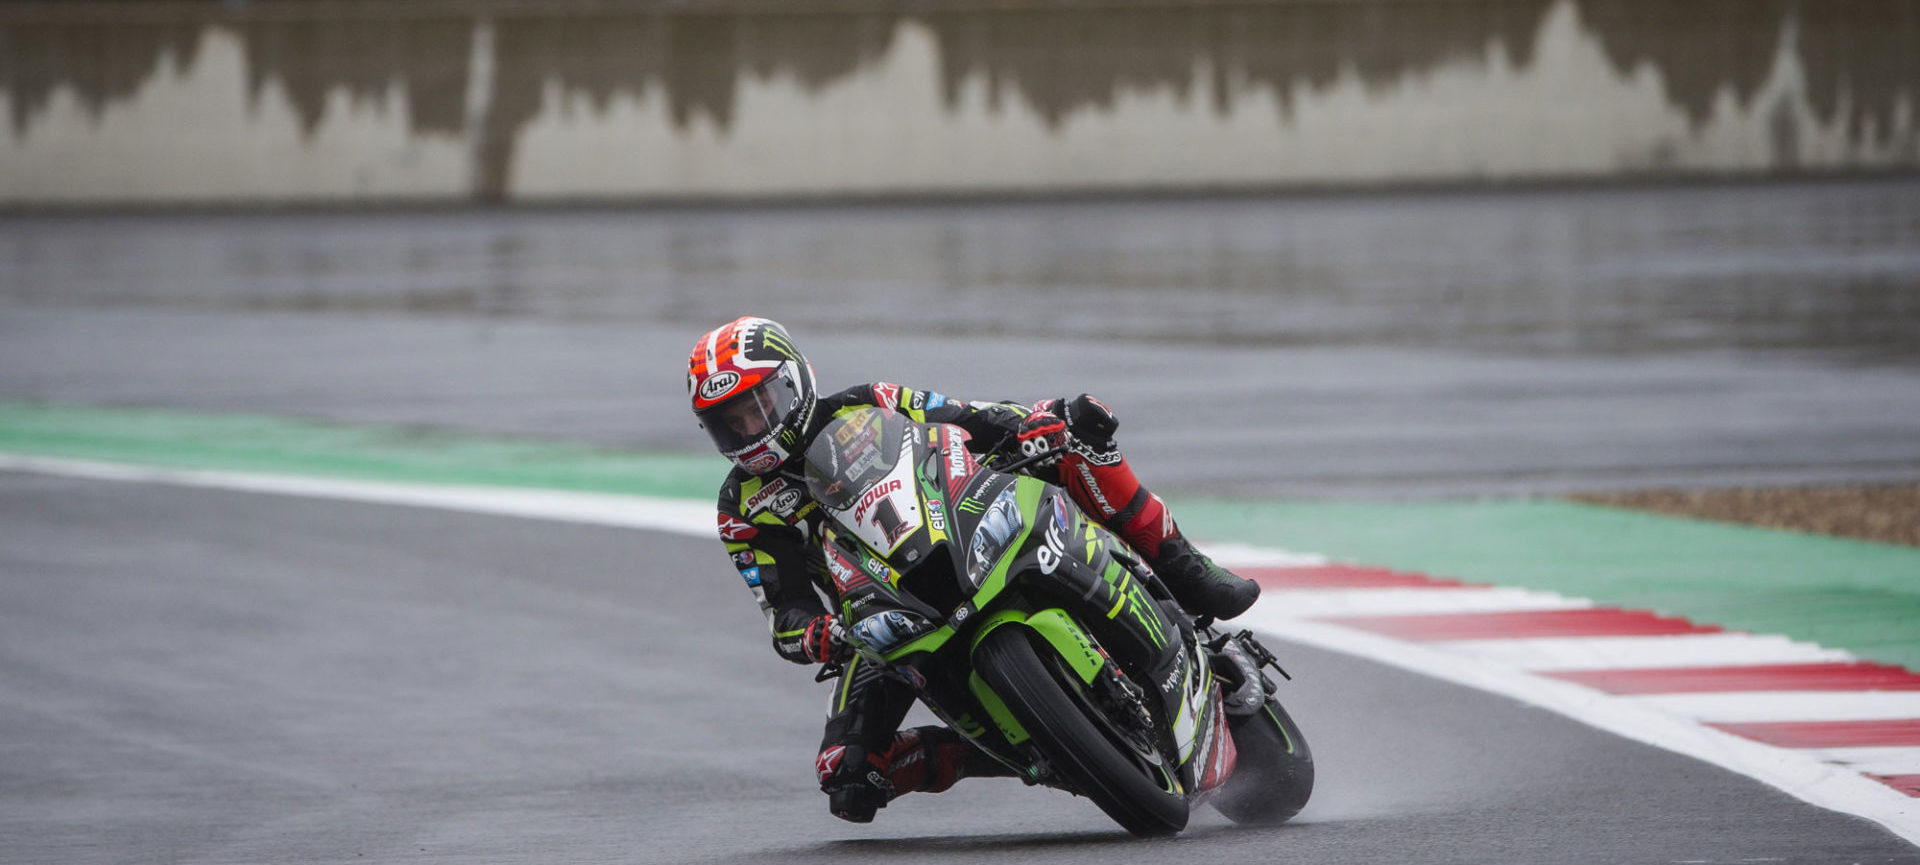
{"type": "Point", "coordinates": [1874, 761]}
{"type": "Point", "coordinates": [1741, 707]}
{"type": "Point", "coordinates": [1415, 601]}
{"type": "Point", "coordinates": [1242, 555]}
{"type": "Point", "coordinates": [1631, 653]}
{"type": "Point", "coordinates": [638, 512]}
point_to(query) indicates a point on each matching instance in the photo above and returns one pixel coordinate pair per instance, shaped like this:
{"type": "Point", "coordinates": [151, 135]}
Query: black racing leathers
{"type": "Point", "coordinates": [770, 523]}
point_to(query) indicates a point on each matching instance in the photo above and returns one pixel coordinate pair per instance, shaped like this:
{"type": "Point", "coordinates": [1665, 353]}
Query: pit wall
{"type": "Point", "coordinates": [336, 101]}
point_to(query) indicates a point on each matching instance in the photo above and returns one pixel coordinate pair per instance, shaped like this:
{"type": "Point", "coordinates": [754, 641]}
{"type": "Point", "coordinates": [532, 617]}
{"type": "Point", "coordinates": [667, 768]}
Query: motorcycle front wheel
{"type": "Point", "coordinates": [1133, 785]}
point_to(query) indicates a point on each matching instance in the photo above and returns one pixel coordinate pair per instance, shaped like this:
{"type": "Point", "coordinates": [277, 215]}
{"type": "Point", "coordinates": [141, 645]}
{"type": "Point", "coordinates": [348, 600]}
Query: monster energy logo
{"type": "Point", "coordinates": [971, 506]}
{"type": "Point", "coordinates": [777, 341]}
{"type": "Point", "coordinates": [1137, 606]}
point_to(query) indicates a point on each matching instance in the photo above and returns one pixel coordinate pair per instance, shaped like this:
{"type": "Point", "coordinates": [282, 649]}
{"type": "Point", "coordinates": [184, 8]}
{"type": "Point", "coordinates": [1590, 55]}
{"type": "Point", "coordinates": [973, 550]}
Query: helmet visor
{"type": "Point", "coordinates": [752, 418]}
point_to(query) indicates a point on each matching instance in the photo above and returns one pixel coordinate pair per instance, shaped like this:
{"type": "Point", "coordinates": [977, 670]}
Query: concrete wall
{"type": "Point", "coordinates": [503, 101]}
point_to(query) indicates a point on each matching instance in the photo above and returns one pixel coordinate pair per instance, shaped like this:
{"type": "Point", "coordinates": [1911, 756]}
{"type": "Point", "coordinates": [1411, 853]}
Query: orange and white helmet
{"type": "Point", "coordinates": [752, 391]}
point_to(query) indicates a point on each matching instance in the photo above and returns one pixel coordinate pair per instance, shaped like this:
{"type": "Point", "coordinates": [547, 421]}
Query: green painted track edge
{"type": "Point", "coordinates": [1859, 596]}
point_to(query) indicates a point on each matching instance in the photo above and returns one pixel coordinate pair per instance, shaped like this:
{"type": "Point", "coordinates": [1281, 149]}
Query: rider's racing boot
{"type": "Point", "coordinates": [1103, 484]}
{"type": "Point", "coordinates": [855, 782]}
{"type": "Point", "coordinates": [919, 760]}
{"type": "Point", "coordinates": [1201, 587]}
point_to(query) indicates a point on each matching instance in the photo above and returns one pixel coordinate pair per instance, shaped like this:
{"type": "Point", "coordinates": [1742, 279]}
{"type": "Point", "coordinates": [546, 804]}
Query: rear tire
{"type": "Point", "coordinates": [1273, 777]}
{"type": "Point", "coordinates": [1054, 708]}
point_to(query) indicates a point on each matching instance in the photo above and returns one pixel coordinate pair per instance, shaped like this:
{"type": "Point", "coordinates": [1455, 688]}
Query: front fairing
{"type": "Point", "coordinates": [923, 544]}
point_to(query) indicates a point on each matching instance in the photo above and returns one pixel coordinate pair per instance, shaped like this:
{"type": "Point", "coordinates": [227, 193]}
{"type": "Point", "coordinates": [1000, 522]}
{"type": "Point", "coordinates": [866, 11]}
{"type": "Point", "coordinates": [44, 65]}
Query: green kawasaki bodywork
{"type": "Point", "coordinates": [1054, 625]}
{"type": "Point", "coordinates": [1052, 542]}
{"type": "Point", "coordinates": [1060, 631]}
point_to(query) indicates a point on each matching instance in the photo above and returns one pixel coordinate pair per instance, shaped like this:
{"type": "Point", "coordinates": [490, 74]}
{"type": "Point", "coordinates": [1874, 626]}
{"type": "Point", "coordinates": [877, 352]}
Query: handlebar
{"type": "Point", "coordinates": [1023, 462]}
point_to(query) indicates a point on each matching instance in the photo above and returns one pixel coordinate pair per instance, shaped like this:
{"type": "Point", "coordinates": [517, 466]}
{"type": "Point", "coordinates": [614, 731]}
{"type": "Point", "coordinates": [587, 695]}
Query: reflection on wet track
{"type": "Point", "coordinates": [1829, 268]}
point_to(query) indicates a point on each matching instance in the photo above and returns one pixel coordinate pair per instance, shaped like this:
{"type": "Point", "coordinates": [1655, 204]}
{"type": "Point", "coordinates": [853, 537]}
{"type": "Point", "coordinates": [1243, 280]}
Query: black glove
{"type": "Point", "coordinates": [824, 641]}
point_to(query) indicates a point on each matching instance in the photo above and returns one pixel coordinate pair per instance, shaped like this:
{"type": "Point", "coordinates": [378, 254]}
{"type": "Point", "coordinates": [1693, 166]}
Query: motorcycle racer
{"type": "Point", "coordinates": [754, 394]}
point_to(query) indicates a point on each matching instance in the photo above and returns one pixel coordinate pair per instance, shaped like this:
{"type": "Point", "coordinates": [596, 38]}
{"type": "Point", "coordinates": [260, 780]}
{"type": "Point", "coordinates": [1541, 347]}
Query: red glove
{"type": "Point", "coordinates": [824, 641]}
{"type": "Point", "coordinates": [1040, 432]}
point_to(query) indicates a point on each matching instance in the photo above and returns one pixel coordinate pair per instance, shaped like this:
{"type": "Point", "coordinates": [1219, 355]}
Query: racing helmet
{"type": "Point", "coordinates": [752, 392]}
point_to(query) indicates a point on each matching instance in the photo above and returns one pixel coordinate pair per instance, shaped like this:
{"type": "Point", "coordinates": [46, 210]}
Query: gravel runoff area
{"type": "Point", "coordinates": [1888, 513]}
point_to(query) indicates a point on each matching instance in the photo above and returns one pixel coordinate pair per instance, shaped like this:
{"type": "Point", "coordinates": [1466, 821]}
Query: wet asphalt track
{"type": "Point", "coordinates": [203, 676]}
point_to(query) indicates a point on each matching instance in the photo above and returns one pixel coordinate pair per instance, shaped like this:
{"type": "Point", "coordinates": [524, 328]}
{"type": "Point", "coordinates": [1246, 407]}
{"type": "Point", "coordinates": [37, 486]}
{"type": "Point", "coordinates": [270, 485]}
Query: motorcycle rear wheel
{"type": "Point", "coordinates": [1273, 776]}
{"type": "Point", "coordinates": [1055, 709]}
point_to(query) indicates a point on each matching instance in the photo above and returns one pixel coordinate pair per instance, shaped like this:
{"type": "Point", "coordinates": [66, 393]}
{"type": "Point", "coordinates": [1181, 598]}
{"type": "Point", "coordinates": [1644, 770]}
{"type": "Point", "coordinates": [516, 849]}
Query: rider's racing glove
{"type": "Point", "coordinates": [824, 641]}
{"type": "Point", "coordinates": [1040, 432]}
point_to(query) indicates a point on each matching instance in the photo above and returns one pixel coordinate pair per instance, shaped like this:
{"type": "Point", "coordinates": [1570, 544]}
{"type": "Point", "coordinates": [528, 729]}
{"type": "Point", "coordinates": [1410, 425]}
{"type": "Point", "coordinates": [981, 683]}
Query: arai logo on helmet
{"type": "Point", "coordinates": [718, 384]}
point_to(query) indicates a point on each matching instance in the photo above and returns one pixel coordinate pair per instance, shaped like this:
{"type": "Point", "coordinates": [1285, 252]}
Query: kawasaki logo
{"type": "Point", "coordinates": [719, 384]}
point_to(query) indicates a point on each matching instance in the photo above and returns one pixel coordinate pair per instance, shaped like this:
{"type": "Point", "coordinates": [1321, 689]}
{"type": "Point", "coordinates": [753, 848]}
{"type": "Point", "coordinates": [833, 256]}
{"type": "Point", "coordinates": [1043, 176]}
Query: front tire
{"type": "Point", "coordinates": [1054, 707]}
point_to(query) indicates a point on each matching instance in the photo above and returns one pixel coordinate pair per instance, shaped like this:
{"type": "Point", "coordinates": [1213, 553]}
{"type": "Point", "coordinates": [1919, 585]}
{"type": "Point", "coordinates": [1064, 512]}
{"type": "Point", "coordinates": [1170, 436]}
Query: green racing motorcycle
{"type": "Point", "coordinates": [1043, 638]}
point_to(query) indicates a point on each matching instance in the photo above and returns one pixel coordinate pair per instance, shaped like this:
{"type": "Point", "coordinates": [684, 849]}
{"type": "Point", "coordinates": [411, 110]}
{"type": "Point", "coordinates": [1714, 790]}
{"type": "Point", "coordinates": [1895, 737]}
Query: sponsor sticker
{"type": "Point", "coordinates": [759, 501]}
{"type": "Point", "coordinates": [956, 459]}
{"type": "Point", "coordinates": [843, 573]}
{"type": "Point", "coordinates": [719, 384]}
{"type": "Point", "coordinates": [829, 761]}
{"type": "Point", "coordinates": [779, 497]}
{"type": "Point", "coordinates": [762, 462]}
{"type": "Point", "coordinates": [751, 575]}
{"type": "Point", "coordinates": [886, 395]}
{"type": "Point", "coordinates": [935, 400]}
{"type": "Point", "coordinates": [878, 492]}
{"type": "Point", "coordinates": [732, 528]}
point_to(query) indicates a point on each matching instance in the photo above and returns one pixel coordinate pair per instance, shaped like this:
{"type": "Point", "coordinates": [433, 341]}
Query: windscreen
{"type": "Point", "coordinates": [853, 452]}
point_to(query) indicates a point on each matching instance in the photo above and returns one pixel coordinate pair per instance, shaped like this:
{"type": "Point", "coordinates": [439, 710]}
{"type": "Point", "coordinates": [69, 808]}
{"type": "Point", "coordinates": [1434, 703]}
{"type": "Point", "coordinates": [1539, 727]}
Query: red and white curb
{"type": "Point", "coordinates": [1828, 728]}
{"type": "Point", "coordinates": [1818, 723]}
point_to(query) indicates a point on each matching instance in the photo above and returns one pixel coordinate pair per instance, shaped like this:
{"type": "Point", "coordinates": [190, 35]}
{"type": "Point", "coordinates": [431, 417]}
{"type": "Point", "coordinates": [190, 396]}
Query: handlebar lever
{"type": "Point", "coordinates": [1023, 462]}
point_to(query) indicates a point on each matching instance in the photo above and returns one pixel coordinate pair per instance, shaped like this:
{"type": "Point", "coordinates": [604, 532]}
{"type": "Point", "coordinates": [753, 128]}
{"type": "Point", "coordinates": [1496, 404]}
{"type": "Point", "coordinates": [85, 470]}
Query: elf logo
{"type": "Point", "coordinates": [719, 384]}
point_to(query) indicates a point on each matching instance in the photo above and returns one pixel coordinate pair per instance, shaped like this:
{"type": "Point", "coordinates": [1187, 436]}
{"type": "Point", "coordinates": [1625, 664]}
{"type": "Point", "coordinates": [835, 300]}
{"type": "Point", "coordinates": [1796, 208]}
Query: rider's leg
{"type": "Point", "coordinates": [932, 759]}
{"type": "Point", "coordinates": [866, 760]}
{"type": "Point", "coordinates": [1103, 484]}
{"type": "Point", "coordinates": [865, 710]}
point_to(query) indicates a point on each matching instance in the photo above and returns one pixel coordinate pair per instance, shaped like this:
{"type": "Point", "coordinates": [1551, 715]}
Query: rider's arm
{"type": "Point", "coordinates": [771, 557]}
{"type": "Point", "coordinates": [990, 425]}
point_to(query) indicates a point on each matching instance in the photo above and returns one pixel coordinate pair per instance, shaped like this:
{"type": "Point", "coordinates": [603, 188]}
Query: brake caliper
{"type": "Point", "coordinates": [1238, 660]}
